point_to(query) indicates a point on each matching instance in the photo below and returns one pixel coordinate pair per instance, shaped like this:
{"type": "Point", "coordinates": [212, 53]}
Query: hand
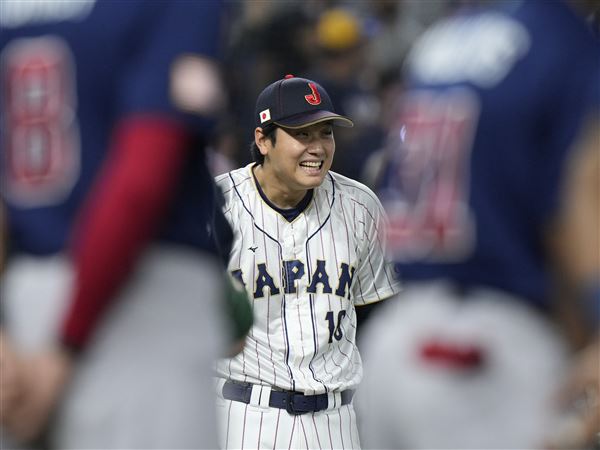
{"type": "Point", "coordinates": [581, 395]}
{"type": "Point", "coordinates": [11, 386]}
{"type": "Point", "coordinates": [43, 377]}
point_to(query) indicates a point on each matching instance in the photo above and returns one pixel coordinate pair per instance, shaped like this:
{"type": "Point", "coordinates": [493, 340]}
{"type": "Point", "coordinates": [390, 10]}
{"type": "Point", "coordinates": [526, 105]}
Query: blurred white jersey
{"type": "Point", "coordinates": [469, 371]}
{"type": "Point", "coordinates": [164, 329]}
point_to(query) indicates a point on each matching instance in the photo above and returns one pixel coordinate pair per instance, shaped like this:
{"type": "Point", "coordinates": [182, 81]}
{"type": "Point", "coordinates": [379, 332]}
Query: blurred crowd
{"type": "Point", "coordinates": [355, 50]}
{"type": "Point", "coordinates": [358, 51]}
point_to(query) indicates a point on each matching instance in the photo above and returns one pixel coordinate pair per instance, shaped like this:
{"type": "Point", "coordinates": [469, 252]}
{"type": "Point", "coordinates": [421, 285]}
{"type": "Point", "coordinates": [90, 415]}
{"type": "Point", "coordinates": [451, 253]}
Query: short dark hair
{"type": "Point", "coordinates": [269, 132]}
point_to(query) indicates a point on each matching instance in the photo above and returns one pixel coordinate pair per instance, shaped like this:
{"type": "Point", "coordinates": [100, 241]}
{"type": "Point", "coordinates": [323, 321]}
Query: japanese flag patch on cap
{"type": "Point", "coordinates": [265, 115]}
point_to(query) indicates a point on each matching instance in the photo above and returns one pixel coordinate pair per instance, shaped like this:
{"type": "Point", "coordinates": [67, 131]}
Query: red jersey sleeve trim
{"type": "Point", "coordinates": [122, 214]}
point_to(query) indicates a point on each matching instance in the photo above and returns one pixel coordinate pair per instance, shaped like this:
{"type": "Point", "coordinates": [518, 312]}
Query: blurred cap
{"type": "Point", "coordinates": [295, 103]}
{"type": "Point", "coordinates": [338, 30]}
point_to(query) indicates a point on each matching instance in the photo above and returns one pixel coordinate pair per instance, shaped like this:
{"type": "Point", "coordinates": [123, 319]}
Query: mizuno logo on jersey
{"type": "Point", "coordinates": [293, 271]}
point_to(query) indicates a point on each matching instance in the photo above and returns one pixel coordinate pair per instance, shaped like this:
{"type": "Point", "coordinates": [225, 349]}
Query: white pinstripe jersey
{"type": "Point", "coordinates": [304, 278]}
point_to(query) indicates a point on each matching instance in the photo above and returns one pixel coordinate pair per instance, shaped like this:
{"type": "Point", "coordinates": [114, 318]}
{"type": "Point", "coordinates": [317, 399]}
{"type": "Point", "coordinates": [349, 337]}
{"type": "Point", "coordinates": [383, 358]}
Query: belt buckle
{"type": "Point", "coordinates": [289, 404]}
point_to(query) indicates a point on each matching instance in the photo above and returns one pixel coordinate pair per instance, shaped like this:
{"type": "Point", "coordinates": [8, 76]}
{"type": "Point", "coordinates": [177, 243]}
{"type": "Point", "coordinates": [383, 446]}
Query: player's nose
{"type": "Point", "coordinates": [317, 146]}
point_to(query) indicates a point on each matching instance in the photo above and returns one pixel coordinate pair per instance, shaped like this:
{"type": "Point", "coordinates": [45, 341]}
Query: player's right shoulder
{"type": "Point", "coordinates": [236, 181]}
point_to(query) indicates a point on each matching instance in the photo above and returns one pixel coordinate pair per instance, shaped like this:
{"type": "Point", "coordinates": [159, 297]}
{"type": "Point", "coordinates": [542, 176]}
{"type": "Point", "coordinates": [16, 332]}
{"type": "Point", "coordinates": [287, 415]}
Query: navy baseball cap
{"type": "Point", "coordinates": [295, 103]}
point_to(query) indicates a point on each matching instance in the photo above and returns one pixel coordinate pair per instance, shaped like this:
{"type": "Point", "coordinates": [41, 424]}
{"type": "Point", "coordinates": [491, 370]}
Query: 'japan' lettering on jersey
{"type": "Point", "coordinates": [304, 278]}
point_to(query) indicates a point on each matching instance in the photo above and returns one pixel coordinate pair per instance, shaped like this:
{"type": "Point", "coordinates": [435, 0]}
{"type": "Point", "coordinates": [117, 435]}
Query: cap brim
{"type": "Point", "coordinates": [311, 118]}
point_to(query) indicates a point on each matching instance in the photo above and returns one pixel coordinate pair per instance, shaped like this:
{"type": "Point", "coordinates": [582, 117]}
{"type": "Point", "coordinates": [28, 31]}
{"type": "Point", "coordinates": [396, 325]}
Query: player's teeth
{"type": "Point", "coordinates": [311, 164]}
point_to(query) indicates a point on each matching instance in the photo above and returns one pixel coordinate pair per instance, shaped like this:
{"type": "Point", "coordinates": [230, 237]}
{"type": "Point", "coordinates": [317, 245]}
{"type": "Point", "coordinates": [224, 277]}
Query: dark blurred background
{"type": "Point", "coordinates": [354, 49]}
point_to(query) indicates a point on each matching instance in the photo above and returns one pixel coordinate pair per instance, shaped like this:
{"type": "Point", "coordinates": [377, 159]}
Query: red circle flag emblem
{"type": "Point", "coordinates": [264, 115]}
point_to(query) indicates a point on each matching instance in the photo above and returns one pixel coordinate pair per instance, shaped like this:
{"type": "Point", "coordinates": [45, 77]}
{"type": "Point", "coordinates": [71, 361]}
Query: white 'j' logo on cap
{"type": "Point", "coordinates": [265, 115]}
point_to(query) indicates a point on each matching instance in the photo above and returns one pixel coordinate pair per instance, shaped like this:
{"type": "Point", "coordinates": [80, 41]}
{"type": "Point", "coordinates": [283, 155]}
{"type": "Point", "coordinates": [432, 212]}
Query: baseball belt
{"type": "Point", "coordinates": [293, 402]}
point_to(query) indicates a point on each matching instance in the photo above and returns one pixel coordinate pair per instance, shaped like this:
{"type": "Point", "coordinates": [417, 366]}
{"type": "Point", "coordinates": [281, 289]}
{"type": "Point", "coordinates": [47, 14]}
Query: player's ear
{"type": "Point", "coordinates": [261, 140]}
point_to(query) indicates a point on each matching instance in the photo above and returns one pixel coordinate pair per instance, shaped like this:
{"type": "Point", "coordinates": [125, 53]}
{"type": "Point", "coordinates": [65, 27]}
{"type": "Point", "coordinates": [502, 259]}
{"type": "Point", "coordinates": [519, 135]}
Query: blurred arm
{"type": "Point", "coordinates": [574, 237]}
{"type": "Point", "coordinates": [123, 213]}
{"type": "Point", "coordinates": [575, 243]}
{"type": "Point", "coordinates": [239, 312]}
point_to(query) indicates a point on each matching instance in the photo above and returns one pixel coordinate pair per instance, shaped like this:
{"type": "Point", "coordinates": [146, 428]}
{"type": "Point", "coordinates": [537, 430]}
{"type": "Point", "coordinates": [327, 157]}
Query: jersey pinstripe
{"type": "Point", "coordinates": [304, 278]}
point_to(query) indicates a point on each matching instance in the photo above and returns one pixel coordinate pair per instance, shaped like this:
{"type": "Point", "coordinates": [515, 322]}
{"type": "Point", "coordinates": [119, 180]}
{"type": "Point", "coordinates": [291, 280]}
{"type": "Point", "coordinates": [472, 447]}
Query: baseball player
{"type": "Point", "coordinates": [478, 161]}
{"type": "Point", "coordinates": [114, 277]}
{"type": "Point", "coordinates": [308, 246]}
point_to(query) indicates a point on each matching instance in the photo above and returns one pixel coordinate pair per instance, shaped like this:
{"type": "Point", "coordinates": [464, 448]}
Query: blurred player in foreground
{"type": "Point", "coordinates": [111, 296]}
{"type": "Point", "coordinates": [307, 247]}
{"type": "Point", "coordinates": [493, 207]}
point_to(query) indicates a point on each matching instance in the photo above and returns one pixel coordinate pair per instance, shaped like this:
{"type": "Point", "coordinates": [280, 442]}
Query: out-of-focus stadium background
{"type": "Point", "coordinates": [355, 49]}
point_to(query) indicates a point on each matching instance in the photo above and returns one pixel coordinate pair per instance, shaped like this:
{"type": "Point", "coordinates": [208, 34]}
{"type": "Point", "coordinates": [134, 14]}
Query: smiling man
{"type": "Point", "coordinates": [308, 247]}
